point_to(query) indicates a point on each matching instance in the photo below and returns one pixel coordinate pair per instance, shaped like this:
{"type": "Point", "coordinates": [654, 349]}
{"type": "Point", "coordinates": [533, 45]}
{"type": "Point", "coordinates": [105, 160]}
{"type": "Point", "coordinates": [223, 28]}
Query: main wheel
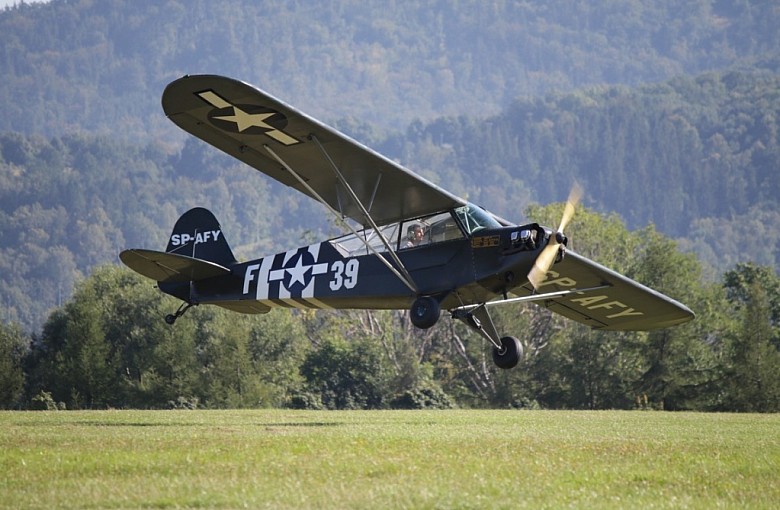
{"type": "Point", "coordinates": [510, 353]}
{"type": "Point", "coordinates": [170, 319]}
{"type": "Point", "coordinates": [424, 312]}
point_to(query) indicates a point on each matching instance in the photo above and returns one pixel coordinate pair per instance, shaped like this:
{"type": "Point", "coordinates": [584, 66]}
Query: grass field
{"type": "Point", "coordinates": [388, 459]}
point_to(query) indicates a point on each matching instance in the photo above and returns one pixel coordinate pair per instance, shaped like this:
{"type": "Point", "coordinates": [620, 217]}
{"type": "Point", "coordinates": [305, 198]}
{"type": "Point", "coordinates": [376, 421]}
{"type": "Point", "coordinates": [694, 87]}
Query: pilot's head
{"type": "Point", "coordinates": [414, 232]}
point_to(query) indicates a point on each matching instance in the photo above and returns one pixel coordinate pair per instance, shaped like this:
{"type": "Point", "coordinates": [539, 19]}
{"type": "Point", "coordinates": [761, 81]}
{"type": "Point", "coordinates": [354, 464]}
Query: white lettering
{"type": "Point", "coordinates": [199, 237]}
{"type": "Point", "coordinates": [344, 275]}
{"type": "Point", "coordinates": [338, 280]}
{"type": "Point", "coordinates": [351, 272]}
{"type": "Point", "coordinates": [249, 276]}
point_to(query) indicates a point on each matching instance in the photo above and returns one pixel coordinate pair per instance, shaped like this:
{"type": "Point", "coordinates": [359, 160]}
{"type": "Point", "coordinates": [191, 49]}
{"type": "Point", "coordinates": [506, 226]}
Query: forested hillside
{"type": "Point", "coordinates": [699, 157]}
{"type": "Point", "coordinates": [100, 66]}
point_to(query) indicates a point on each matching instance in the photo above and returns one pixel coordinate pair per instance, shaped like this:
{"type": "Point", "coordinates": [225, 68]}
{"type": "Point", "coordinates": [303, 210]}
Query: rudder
{"type": "Point", "coordinates": [198, 234]}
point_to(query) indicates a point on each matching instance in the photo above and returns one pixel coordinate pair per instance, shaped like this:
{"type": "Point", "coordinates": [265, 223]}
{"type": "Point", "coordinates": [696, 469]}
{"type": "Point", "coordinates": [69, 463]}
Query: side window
{"type": "Point", "coordinates": [445, 228]}
{"type": "Point", "coordinates": [430, 229]}
{"type": "Point", "coordinates": [352, 245]}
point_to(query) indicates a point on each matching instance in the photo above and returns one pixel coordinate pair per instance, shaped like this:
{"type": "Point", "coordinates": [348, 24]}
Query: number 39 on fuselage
{"type": "Point", "coordinates": [411, 244]}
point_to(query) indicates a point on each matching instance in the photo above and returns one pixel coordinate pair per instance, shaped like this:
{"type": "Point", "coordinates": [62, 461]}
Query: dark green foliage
{"type": "Point", "coordinates": [426, 396]}
{"type": "Point", "coordinates": [108, 347]}
{"type": "Point", "coordinates": [305, 400]}
{"type": "Point", "coordinates": [13, 348]}
{"type": "Point", "coordinates": [60, 218]}
{"type": "Point", "coordinates": [346, 375]}
{"type": "Point", "coordinates": [751, 352]}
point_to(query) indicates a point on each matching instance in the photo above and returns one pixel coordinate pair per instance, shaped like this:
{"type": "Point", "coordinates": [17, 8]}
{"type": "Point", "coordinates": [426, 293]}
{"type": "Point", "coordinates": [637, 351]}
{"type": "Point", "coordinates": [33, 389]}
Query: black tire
{"type": "Point", "coordinates": [170, 319]}
{"type": "Point", "coordinates": [510, 354]}
{"type": "Point", "coordinates": [424, 312]}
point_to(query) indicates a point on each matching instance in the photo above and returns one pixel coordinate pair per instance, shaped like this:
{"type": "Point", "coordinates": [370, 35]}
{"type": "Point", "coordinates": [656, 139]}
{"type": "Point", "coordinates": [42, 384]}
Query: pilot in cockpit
{"type": "Point", "coordinates": [414, 235]}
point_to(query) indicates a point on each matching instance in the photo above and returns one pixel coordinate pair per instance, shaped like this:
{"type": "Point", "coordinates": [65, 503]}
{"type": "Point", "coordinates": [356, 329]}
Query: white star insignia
{"type": "Point", "coordinates": [297, 272]}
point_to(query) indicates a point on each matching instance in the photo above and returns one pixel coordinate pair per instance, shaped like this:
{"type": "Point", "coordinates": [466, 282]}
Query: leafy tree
{"type": "Point", "coordinates": [752, 353]}
{"type": "Point", "coordinates": [13, 347]}
{"type": "Point", "coordinates": [671, 355]}
{"type": "Point", "coordinates": [739, 284]}
{"type": "Point", "coordinates": [246, 360]}
{"type": "Point", "coordinates": [347, 374]}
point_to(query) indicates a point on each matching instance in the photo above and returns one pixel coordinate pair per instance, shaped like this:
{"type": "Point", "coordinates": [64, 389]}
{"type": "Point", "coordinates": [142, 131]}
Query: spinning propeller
{"type": "Point", "coordinates": [545, 259]}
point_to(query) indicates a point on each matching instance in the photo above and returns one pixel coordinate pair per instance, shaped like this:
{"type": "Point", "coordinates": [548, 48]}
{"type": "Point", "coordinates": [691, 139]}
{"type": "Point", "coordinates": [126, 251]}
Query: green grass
{"type": "Point", "coordinates": [388, 459]}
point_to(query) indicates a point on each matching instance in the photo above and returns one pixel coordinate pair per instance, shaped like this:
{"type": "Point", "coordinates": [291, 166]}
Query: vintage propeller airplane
{"type": "Point", "coordinates": [415, 246]}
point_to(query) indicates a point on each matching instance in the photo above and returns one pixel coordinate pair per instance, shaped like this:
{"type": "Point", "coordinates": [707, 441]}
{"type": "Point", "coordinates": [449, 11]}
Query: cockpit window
{"type": "Point", "coordinates": [431, 229]}
{"type": "Point", "coordinates": [475, 218]}
{"type": "Point", "coordinates": [436, 228]}
{"type": "Point", "coordinates": [351, 245]}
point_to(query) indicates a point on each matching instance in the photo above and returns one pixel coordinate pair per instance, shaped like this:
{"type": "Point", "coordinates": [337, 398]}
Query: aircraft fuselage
{"type": "Point", "coordinates": [456, 272]}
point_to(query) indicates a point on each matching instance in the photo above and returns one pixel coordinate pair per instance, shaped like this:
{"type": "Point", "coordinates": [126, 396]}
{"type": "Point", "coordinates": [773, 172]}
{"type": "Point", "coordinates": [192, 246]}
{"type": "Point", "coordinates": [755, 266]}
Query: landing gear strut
{"type": "Point", "coordinates": [507, 351]}
{"type": "Point", "coordinates": [171, 317]}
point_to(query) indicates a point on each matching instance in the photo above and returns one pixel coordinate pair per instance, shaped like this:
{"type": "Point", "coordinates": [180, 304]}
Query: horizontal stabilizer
{"type": "Point", "coordinates": [170, 267]}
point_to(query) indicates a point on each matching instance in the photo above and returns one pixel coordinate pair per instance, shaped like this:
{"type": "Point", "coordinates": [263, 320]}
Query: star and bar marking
{"type": "Point", "coordinates": [245, 120]}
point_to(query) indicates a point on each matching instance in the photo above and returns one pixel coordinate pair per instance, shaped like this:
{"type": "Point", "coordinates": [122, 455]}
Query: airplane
{"type": "Point", "coordinates": [409, 245]}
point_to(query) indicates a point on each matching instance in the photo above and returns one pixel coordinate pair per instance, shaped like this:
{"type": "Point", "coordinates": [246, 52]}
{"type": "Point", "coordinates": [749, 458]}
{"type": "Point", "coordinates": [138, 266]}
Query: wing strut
{"type": "Point", "coordinates": [366, 214]}
{"type": "Point", "coordinates": [405, 277]}
{"type": "Point", "coordinates": [536, 297]}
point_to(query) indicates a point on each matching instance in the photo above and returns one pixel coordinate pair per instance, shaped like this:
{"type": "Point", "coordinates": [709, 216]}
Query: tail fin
{"type": "Point", "coordinates": [197, 250]}
{"type": "Point", "coordinates": [198, 234]}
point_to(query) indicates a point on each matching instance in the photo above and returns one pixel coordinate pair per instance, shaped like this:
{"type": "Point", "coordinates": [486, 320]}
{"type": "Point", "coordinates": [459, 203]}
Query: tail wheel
{"type": "Point", "coordinates": [170, 319]}
{"type": "Point", "coordinates": [510, 353]}
{"type": "Point", "coordinates": [424, 312]}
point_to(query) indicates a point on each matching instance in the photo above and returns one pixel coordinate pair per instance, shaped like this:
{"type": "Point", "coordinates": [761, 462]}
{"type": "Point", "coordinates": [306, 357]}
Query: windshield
{"type": "Point", "coordinates": [475, 218]}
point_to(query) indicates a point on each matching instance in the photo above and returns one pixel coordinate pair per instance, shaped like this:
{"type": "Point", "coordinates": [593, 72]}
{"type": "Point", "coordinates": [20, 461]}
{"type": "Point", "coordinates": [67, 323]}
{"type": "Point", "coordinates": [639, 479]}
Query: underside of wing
{"type": "Point", "coordinates": [252, 126]}
{"type": "Point", "coordinates": [170, 267]}
{"type": "Point", "coordinates": [618, 303]}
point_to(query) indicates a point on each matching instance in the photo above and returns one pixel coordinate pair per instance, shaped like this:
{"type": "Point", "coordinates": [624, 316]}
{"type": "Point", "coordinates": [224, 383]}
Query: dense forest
{"type": "Point", "coordinates": [94, 66]}
{"type": "Point", "coordinates": [667, 113]}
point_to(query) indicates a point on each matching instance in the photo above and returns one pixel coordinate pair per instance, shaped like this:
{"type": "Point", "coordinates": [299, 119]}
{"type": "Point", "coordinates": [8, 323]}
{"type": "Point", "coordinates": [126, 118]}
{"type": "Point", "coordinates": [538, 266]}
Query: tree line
{"type": "Point", "coordinates": [108, 347]}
